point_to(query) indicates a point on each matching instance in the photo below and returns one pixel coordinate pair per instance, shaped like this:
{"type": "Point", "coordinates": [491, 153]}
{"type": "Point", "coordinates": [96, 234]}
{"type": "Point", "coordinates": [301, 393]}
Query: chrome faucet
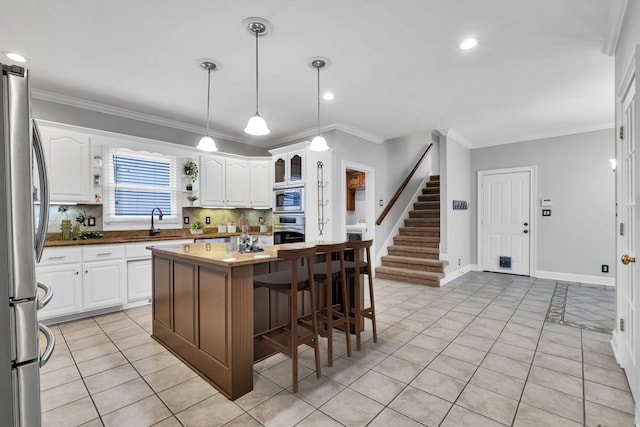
{"type": "Point", "coordinates": [154, 230]}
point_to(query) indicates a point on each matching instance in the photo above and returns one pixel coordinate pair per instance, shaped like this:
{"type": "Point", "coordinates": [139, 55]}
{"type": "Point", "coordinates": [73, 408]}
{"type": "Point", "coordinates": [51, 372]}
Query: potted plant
{"type": "Point", "coordinates": [196, 227]}
{"type": "Point", "coordinates": [96, 178]}
{"type": "Point", "coordinates": [97, 161]}
{"type": "Point", "coordinates": [191, 169]}
{"type": "Point", "coordinates": [192, 199]}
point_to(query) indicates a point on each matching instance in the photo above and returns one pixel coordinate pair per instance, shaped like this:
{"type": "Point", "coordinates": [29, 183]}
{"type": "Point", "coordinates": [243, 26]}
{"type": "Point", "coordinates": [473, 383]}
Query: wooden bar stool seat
{"type": "Point", "coordinates": [295, 331]}
{"type": "Point", "coordinates": [354, 269]}
{"type": "Point", "coordinates": [332, 315]}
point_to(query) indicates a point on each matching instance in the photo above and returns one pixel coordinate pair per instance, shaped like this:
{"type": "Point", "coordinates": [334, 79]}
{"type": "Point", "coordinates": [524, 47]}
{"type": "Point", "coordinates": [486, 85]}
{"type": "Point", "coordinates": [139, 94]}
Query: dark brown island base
{"type": "Point", "coordinates": [206, 311]}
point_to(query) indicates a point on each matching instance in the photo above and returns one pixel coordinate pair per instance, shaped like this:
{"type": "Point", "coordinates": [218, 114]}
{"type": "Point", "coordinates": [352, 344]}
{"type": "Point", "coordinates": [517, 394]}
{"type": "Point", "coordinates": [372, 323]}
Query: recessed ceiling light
{"type": "Point", "coordinates": [16, 57]}
{"type": "Point", "coordinates": [468, 44]}
{"type": "Point", "coordinates": [328, 96]}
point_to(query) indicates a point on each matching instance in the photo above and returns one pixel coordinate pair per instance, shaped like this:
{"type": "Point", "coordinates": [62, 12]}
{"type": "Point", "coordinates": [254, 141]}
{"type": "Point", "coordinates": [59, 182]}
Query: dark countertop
{"type": "Point", "coordinates": [132, 236]}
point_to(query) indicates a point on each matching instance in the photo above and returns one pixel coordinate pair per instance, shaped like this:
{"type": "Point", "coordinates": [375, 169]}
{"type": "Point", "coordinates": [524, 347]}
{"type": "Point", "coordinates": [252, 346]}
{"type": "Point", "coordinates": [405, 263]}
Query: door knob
{"type": "Point", "coordinates": [526, 231]}
{"type": "Point", "coordinates": [626, 259]}
{"type": "Point", "coordinates": [526, 223]}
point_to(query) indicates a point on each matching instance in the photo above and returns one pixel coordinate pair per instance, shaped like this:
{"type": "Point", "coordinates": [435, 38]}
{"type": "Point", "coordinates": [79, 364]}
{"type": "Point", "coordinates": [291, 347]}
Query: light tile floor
{"type": "Point", "coordinates": [476, 352]}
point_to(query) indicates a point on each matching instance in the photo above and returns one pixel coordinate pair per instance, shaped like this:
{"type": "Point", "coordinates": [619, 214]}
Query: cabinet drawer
{"type": "Point", "coordinates": [52, 256]}
{"type": "Point", "coordinates": [102, 252]}
{"type": "Point", "coordinates": [138, 250]}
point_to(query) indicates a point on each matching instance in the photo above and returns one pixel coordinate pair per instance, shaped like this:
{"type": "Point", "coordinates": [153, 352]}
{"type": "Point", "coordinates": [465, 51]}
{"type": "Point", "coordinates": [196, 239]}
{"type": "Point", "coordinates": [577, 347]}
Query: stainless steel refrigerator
{"type": "Point", "coordinates": [21, 244]}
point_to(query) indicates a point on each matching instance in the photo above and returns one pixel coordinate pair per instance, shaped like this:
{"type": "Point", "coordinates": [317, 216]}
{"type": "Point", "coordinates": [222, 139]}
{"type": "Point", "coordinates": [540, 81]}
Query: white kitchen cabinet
{"type": "Point", "coordinates": [289, 167]}
{"type": "Point", "coordinates": [66, 282]}
{"type": "Point", "coordinates": [139, 279]}
{"type": "Point", "coordinates": [260, 184]}
{"type": "Point", "coordinates": [212, 181]}
{"type": "Point", "coordinates": [237, 183]}
{"type": "Point", "coordinates": [69, 165]}
{"type": "Point", "coordinates": [104, 281]}
{"type": "Point", "coordinates": [103, 284]}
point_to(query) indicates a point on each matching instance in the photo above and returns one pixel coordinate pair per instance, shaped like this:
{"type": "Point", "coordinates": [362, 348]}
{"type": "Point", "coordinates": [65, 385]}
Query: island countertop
{"type": "Point", "coordinates": [216, 253]}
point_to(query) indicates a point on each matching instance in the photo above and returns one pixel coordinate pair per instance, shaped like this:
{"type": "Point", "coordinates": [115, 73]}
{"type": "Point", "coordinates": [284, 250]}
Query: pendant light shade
{"type": "Point", "coordinates": [257, 125]}
{"type": "Point", "coordinates": [206, 142]}
{"type": "Point", "coordinates": [318, 143]}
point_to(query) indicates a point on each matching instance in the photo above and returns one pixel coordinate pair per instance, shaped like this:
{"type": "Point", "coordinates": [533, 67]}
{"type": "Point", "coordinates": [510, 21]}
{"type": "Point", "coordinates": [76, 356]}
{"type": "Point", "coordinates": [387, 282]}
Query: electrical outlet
{"type": "Point", "coordinates": [605, 268]}
{"type": "Point", "coordinates": [207, 220]}
{"type": "Point", "coordinates": [380, 203]}
{"type": "Point", "coordinates": [185, 220]}
{"type": "Point", "coordinates": [459, 261]}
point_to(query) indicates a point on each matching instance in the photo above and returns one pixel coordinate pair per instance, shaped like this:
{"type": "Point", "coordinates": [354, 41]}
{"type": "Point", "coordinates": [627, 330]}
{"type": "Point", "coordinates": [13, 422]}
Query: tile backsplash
{"type": "Point", "coordinates": [217, 216]}
{"type": "Point", "coordinates": [223, 216]}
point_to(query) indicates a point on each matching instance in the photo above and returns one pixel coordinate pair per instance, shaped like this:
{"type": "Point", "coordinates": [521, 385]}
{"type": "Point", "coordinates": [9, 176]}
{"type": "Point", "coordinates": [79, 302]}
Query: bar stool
{"type": "Point", "coordinates": [354, 269]}
{"type": "Point", "coordinates": [289, 282]}
{"type": "Point", "coordinates": [331, 315]}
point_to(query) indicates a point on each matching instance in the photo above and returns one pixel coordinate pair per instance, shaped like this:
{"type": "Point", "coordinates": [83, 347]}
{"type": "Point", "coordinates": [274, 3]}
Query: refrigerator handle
{"type": "Point", "coordinates": [41, 234]}
{"type": "Point", "coordinates": [48, 294]}
{"type": "Point", "coordinates": [51, 343]}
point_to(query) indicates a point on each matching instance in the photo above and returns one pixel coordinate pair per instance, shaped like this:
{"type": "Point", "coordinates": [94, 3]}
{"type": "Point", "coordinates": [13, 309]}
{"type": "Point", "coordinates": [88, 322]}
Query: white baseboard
{"type": "Point", "coordinates": [457, 273]}
{"type": "Point", "coordinates": [570, 277]}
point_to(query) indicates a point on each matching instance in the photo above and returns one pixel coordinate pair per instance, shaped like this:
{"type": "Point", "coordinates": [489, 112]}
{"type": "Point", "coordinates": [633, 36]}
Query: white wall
{"type": "Point", "coordinates": [456, 184]}
{"type": "Point", "coordinates": [392, 161]}
{"type": "Point", "coordinates": [574, 172]}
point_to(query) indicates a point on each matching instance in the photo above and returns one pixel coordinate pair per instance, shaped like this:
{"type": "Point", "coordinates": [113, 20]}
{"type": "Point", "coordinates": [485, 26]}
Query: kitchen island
{"type": "Point", "coordinates": [205, 311]}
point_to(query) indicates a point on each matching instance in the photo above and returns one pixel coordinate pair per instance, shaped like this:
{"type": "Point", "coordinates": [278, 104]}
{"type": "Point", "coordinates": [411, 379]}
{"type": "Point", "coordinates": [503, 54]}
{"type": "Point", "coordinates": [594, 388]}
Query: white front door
{"type": "Point", "coordinates": [626, 334]}
{"type": "Point", "coordinates": [505, 221]}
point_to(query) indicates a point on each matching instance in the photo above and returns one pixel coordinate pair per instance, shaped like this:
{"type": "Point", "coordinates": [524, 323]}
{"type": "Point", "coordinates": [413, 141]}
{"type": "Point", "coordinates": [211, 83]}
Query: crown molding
{"type": "Point", "coordinates": [134, 115]}
{"type": "Point", "coordinates": [616, 18]}
{"type": "Point", "coordinates": [310, 132]}
{"type": "Point", "coordinates": [535, 137]}
{"type": "Point", "coordinates": [450, 133]}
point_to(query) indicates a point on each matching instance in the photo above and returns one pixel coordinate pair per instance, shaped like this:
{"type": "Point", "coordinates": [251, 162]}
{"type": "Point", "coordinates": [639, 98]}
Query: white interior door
{"type": "Point", "coordinates": [506, 222]}
{"type": "Point", "coordinates": [628, 237]}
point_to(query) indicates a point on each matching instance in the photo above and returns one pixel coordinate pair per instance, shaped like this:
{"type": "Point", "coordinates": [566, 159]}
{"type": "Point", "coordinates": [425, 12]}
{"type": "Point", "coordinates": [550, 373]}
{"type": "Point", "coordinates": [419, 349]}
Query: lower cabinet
{"type": "Point", "coordinates": [66, 282]}
{"type": "Point", "coordinates": [104, 284]}
{"type": "Point", "coordinates": [139, 280]}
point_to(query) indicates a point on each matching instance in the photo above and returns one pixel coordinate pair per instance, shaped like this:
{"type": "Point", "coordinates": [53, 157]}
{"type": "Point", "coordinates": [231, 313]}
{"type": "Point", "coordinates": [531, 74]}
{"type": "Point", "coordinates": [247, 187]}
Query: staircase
{"type": "Point", "coordinates": [414, 255]}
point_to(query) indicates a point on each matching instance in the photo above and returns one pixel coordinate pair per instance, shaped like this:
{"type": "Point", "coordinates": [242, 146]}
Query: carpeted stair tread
{"type": "Point", "coordinates": [425, 213]}
{"type": "Point", "coordinates": [412, 276]}
{"type": "Point", "coordinates": [422, 222]}
{"type": "Point", "coordinates": [432, 197]}
{"type": "Point", "coordinates": [420, 231]}
{"type": "Point", "coordinates": [413, 251]}
{"type": "Point", "coordinates": [421, 264]}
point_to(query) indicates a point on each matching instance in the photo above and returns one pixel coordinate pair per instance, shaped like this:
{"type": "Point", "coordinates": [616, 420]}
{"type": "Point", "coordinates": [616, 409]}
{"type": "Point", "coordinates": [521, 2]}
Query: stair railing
{"type": "Point", "coordinates": [402, 187]}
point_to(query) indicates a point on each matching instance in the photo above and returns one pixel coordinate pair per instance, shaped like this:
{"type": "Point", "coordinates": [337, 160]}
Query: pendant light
{"type": "Point", "coordinates": [256, 125]}
{"type": "Point", "coordinates": [318, 143]}
{"type": "Point", "coordinates": [206, 142]}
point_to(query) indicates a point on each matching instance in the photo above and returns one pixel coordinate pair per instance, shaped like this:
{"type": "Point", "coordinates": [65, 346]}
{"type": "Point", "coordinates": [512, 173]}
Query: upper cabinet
{"type": "Point", "coordinates": [260, 190]}
{"type": "Point", "coordinates": [237, 183]}
{"type": "Point", "coordinates": [69, 164]}
{"type": "Point", "coordinates": [212, 180]}
{"type": "Point", "coordinates": [234, 182]}
{"type": "Point", "coordinates": [289, 168]}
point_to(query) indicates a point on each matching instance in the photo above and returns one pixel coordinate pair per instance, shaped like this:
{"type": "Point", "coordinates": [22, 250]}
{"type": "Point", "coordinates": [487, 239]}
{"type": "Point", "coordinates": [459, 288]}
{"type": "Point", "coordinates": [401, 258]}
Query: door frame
{"type": "Point", "coordinates": [370, 203]}
{"type": "Point", "coordinates": [617, 339]}
{"type": "Point", "coordinates": [533, 229]}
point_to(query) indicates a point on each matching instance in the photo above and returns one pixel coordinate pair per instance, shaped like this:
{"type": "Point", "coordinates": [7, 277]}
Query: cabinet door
{"type": "Point", "coordinates": [138, 280]}
{"type": "Point", "coordinates": [296, 167]}
{"type": "Point", "coordinates": [68, 156]}
{"type": "Point", "coordinates": [237, 185]}
{"type": "Point", "coordinates": [260, 184]}
{"type": "Point", "coordinates": [212, 181]}
{"type": "Point", "coordinates": [66, 283]}
{"type": "Point", "coordinates": [280, 170]}
{"type": "Point", "coordinates": [103, 284]}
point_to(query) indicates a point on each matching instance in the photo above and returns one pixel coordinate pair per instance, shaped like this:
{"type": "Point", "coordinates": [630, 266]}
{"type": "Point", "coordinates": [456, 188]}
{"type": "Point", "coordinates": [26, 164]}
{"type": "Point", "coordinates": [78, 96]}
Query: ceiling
{"type": "Point", "coordinates": [396, 68]}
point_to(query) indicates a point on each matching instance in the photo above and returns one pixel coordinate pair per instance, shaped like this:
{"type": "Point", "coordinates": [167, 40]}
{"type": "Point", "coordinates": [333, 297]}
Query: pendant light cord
{"type": "Point", "coordinates": [256, 31]}
{"type": "Point", "coordinates": [318, 68]}
{"type": "Point", "coordinates": [208, 96]}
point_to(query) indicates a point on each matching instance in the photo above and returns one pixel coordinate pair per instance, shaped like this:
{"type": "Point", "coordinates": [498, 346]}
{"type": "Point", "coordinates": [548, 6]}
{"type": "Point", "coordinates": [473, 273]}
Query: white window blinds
{"type": "Point", "coordinates": [137, 182]}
